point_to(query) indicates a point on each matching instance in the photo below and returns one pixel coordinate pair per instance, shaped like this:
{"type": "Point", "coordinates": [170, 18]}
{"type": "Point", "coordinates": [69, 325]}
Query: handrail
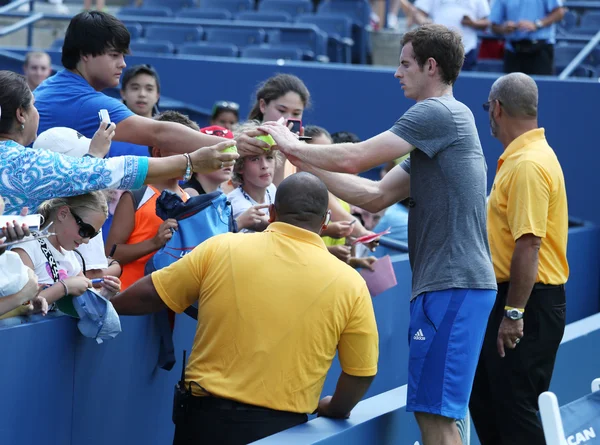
{"type": "Point", "coordinates": [585, 51]}
{"type": "Point", "coordinates": [27, 21]}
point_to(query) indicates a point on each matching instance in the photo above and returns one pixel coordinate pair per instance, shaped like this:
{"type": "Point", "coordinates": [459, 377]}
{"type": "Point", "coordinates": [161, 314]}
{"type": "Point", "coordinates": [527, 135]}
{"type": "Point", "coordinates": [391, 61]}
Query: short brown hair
{"type": "Point", "coordinates": [439, 43]}
{"type": "Point", "coordinates": [178, 118]}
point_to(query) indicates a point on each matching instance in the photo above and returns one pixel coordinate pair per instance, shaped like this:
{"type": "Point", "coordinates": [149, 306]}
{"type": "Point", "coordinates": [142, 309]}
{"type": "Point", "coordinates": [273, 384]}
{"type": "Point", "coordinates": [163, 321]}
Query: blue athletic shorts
{"type": "Point", "coordinates": [445, 336]}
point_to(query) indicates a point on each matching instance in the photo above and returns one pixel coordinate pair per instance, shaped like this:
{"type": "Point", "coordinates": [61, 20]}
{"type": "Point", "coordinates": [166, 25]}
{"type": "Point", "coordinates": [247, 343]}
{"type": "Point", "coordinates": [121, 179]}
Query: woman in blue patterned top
{"type": "Point", "coordinates": [29, 177]}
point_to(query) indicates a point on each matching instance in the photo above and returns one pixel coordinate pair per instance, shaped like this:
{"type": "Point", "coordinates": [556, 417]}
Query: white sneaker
{"type": "Point", "coordinates": [392, 21]}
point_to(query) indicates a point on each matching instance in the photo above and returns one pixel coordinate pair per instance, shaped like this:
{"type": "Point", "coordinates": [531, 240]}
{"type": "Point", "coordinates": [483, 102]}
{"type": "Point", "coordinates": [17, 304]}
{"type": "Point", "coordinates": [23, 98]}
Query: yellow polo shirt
{"type": "Point", "coordinates": [529, 197]}
{"type": "Point", "coordinates": [273, 307]}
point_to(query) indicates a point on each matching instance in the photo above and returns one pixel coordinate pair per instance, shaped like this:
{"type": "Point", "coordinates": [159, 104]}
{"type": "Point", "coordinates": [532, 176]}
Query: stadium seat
{"type": "Point", "coordinates": [175, 34]}
{"type": "Point", "coordinates": [233, 6]}
{"type": "Point", "coordinates": [57, 44]}
{"type": "Point", "coordinates": [569, 20]}
{"type": "Point", "coordinates": [271, 52]}
{"type": "Point", "coordinates": [339, 31]}
{"type": "Point", "coordinates": [147, 11]}
{"type": "Point", "coordinates": [585, 30]}
{"type": "Point", "coordinates": [136, 30]}
{"type": "Point", "coordinates": [175, 5]}
{"type": "Point", "coordinates": [359, 12]}
{"type": "Point", "coordinates": [264, 16]}
{"type": "Point", "coordinates": [143, 46]}
{"type": "Point", "coordinates": [313, 44]}
{"type": "Point", "coordinates": [490, 66]}
{"type": "Point", "coordinates": [292, 7]}
{"type": "Point", "coordinates": [206, 13]}
{"type": "Point", "coordinates": [591, 19]}
{"type": "Point", "coordinates": [209, 49]}
{"type": "Point", "coordinates": [239, 37]}
{"type": "Point", "coordinates": [583, 70]}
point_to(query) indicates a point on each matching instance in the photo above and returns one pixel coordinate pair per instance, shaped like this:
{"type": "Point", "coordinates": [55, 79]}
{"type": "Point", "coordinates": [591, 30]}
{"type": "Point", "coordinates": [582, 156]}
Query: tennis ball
{"type": "Point", "coordinates": [232, 149]}
{"type": "Point", "coordinates": [268, 139]}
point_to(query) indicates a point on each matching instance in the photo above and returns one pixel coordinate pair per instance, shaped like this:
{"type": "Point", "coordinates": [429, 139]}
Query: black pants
{"type": "Point", "coordinates": [530, 59]}
{"type": "Point", "coordinates": [214, 421]}
{"type": "Point", "coordinates": [504, 400]}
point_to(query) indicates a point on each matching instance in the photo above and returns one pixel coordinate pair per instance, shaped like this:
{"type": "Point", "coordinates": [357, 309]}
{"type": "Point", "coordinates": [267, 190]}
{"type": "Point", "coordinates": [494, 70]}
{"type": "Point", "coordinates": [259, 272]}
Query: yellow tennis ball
{"type": "Point", "coordinates": [232, 149]}
{"type": "Point", "coordinates": [268, 139]}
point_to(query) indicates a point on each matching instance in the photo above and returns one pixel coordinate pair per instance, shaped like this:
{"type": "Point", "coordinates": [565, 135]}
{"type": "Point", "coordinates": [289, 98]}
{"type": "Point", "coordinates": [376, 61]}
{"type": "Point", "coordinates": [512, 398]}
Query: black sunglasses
{"type": "Point", "coordinates": [85, 230]}
{"type": "Point", "coordinates": [486, 106]}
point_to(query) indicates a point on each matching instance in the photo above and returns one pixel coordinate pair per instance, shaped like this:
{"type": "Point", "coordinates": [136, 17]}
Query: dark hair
{"type": "Point", "coordinates": [439, 43]}
{"type": "Point", "coordinates": [275, 87]}
{"type": "Point", "coordinates": [14, 94]}
{"type": "Point", "coordinates": [136, 70]}
{"type": "Point", "coordinates": [177, 117]}
{"type": "Point", "coordinates": [344, 136]}
{"type": "Point", "coordinates": [302, 200]}
{"type": "Point", "coordinates": [314, 131]}
{"type": "Point", "coordinates": [223, 106]}
{"type": "Point", "coordinates": [93, 33]}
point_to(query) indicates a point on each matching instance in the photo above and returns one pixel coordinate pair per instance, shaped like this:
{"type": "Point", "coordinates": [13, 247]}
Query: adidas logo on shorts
{"type": "Point", "coordinates": [419, 335]}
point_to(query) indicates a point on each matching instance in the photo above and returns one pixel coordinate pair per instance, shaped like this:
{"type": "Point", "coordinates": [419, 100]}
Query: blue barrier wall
{"type": "Point", "coordinates": [367, 101]}
{"type": "Point", "coordinates": [113, 393]}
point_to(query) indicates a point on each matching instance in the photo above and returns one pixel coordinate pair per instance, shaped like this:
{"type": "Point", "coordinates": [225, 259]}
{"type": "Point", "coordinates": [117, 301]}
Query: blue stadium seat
{"type": "Point", "coordinates": [271, 52]}
{"type": "Point", "coordinates": [585, 30]}
{"type": "Point", "coordinates": [359, 12]}
{"type": "Point", "coordinates": [583, 70]}
{"type": "Point", "coordinates": [314, 45]}
{"type": "Point", "coordinates": [591, 19]}
{"type": "Point", "coordinates": [239, 37]}
{"type": "Point", "coordinates": [233, 6]}
{"type": "Point", "coordinates": [490, 66]}
{"type": "Point", "coordinates": [143, 46]}
{"type": "Point", "coordinates": [175, 5]}
{"type": "Point", "coordinates": [569, 20]}
{"type": "Point", "coordinates": [264, 16]}
{"type": "Point", "coordinates": [206, 13]}
{"type": "Point", "coordinates": [174, 33]}
{"type": "Point", "coordinates": [57, 44]}
{"type": "Point", "coordinates": [292, 7]}
{"type": "Point", "coordinates": [136, 30]}
{"type": "Point", "coordinates": [209, 49]}
{"type": "Point", "coordinates": [148, 11]}
{"type": "Point", "coordinates": [339, 30]}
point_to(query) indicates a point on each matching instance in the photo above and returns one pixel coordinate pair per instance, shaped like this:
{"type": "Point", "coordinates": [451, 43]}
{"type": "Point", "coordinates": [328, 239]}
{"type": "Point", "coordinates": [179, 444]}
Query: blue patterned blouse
{"type": "Point", "coordinates": [28, 177]}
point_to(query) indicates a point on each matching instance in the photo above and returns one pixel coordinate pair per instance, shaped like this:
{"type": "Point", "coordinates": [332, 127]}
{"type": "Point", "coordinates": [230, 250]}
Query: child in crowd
{"type": "Point", "coordinates": [137, 232]}
{"type": "Point", "coordinates": [74, 221]}
{"type": "Point", "coordinates": [225, 114]}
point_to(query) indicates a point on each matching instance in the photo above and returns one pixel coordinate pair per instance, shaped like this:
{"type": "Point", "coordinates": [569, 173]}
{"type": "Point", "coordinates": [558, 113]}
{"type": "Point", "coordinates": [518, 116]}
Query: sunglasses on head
{"type": "Point", "coordinates": [85, 230]}
{"type": "Point", "coordinates": [223, 105]}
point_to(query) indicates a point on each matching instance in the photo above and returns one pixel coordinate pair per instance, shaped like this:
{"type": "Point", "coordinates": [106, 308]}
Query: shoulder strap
{"type": "Point", "coordinates": [50, 258]}
{"type": "Point", "coordinates": [138, 196]}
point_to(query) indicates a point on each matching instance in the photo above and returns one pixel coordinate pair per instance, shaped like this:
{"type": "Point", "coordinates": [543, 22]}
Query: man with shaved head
{"type": "Point", "coordinates": [273, 308]}
{"type": "Point", "coordinates": [527, 230]}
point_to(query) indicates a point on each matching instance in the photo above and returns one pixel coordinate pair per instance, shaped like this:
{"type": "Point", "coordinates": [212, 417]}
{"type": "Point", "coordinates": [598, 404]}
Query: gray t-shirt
{"type": "Point", "coordinates": [447, 235]}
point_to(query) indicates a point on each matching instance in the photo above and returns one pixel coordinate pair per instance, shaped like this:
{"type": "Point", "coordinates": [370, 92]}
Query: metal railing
{"type": "Point", "coordinates": [580, 57]}
{"type": "Point", "coordinates": [25, 22]}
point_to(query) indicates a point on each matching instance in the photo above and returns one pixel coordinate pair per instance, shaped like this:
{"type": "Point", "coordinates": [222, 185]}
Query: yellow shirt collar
{"type": "Point", "coordinates": [522, 141]}
{"type": "Point", "coordinates": [297, 233]}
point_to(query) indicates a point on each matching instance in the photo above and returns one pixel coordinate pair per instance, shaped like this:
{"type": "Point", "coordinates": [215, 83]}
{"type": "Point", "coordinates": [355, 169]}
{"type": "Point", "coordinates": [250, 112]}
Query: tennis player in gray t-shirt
{"type": "Point", "coordinates": [454, 286]}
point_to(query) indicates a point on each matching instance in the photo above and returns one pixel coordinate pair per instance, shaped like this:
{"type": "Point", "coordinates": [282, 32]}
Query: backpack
{"type": "Point", "coordinates": [198, 219]}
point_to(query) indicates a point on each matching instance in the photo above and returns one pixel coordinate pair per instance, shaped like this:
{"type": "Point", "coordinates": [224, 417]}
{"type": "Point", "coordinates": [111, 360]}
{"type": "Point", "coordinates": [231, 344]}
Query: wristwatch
{"type": "Point", "coordinates": [538, 24]}
{"type": "Point", "coordinates": [513, 313]}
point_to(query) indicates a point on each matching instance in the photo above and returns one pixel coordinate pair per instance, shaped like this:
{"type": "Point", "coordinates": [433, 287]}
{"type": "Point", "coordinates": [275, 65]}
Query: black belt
{"type": "Point", "coordinates": [210, 402]}
{"type": "Point", "coordinates": [537, 286]}
{"type": "Point", "coordinates": [526, 46]}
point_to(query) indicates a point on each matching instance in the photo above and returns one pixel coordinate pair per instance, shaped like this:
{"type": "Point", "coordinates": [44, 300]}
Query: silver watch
{"type": "Point", "coordinates": [514, 314]}
{"type": "Point", "coordinates": [539, 24]}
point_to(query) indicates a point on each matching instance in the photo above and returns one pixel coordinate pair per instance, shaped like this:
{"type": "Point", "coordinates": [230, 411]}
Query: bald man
{"type": "Point", "coordinates": [527, 230]}
{"type": "Point", "coordinates": [274, 307]}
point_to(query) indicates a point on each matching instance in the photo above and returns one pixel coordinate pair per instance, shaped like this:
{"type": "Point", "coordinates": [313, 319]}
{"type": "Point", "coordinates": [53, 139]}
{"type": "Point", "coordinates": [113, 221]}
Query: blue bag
{"type": "Point", "coordinates": [198, 219]}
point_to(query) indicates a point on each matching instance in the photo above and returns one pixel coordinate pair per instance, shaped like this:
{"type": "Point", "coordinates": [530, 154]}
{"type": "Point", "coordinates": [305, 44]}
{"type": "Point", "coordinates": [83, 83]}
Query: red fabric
{"type": "Point", "coordinates": [215, 130]}
{"type": "Point", "coordinates": [491, 49]}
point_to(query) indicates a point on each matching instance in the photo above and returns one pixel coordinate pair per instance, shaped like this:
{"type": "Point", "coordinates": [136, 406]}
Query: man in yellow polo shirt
{"type": "Point", "coordinates": [273, 308]}
{"type": "Point", "coordinates": [527, 229]}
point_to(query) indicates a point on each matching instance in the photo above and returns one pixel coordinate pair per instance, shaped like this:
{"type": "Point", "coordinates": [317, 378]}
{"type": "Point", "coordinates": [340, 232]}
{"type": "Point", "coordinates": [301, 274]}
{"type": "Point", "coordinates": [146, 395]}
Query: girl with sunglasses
{"type": "Point", "coordinates": [74, 221]}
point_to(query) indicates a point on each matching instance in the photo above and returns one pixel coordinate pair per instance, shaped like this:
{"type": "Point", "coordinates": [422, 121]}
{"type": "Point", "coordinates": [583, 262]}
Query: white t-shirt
{"type": "Point", "coordinates": [93, 253]}
{"type": "Point", "coordinates": [241, 201]}
{"type": "Point", "coordinates": [68, 265]}
{"type": "Point", "coordinates": [450, 13]}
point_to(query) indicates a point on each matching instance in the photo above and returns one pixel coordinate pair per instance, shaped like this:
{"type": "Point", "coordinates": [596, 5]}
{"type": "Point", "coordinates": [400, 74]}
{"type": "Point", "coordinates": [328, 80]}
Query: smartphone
{"type": "Point", "coordinates": [296, 126]}
{"type": "Point", "coordinates": [103, 116]}
{"type": "Point", "coordinates": [33, 221]}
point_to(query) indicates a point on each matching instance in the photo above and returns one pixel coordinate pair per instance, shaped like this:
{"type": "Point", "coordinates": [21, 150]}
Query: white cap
{"type": "Point", "coordinates": [13, 274]}
{"type": "Point", "coordinates": [63, 140]}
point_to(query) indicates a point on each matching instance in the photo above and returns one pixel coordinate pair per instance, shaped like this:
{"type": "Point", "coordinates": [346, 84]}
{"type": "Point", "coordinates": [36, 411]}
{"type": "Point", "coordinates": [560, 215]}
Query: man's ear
{"type": "Point", "coordinates": [272, 214]}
